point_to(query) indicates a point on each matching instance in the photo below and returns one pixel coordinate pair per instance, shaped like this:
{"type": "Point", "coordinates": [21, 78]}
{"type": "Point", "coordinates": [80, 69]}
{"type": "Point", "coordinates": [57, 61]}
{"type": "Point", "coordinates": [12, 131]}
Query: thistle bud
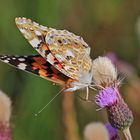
{"type": "Point", "coordinates": [119, 115]}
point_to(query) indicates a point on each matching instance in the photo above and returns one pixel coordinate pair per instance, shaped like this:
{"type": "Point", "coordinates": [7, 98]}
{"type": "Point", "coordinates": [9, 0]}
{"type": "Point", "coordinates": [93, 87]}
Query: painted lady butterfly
{"type": "Point", "coordinates": [63, 56]}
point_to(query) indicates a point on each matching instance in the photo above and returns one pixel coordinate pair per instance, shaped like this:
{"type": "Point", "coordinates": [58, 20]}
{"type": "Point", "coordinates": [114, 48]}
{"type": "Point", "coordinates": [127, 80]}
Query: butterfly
{"type": "Point", "coordinates": [63, 57]}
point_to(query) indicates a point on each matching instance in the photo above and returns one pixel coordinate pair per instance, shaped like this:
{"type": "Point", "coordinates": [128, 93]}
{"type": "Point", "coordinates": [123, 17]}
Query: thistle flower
{"type": "Point", "coordinates": [104, 72]}
{"type": "Point", "coordinates": [5, 112]}
{"type": "Point", "coordinates": [99, 131]}
{"type": "Point", "coordinates": [119, 115]}
{"type": "Point", "coordinates": [105, 77]}
{"type": "Point", "coordinates": [106, 97]}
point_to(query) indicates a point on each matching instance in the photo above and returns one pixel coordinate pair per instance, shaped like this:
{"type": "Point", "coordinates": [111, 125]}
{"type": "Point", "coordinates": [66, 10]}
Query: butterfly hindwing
{"type": "Point", "coordinates": [37, 65]}
{"type": "Point", "coordinates": [71, 51]}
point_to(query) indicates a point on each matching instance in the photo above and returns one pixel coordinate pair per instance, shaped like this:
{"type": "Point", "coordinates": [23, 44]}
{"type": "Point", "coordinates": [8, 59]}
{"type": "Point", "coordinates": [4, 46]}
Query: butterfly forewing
{"type": "Point", "coordinates": [37, 65]}
{"type": "Point", "coordinates": [35, 34]}
{"type": "Point", "coordinates": [64, 50]}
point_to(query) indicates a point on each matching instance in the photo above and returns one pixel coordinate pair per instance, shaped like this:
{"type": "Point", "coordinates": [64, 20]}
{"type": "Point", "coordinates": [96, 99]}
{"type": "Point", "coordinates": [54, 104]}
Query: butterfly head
{"type": "Point", "coordinates": [83, 82]}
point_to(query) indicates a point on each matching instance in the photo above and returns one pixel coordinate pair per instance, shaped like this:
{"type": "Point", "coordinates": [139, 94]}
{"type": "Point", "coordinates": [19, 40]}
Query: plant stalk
{"type": "Point", "coordinates": [127, 134]}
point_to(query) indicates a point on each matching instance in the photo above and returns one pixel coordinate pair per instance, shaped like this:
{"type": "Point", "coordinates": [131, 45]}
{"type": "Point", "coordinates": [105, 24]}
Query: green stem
{"type": "Point", "coordinates": [127, 134]}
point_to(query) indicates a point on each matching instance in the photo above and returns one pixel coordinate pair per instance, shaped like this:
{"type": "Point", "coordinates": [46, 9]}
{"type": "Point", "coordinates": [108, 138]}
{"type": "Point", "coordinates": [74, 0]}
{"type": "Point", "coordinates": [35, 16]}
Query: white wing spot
{"type": "Point", "coordinates": [6, 61]}
{"type": "Point", "coordinates": [35, 42]}
{"type": "Point", "coordinates": [69, 53]}
{"type": "Point", "coordinates": [60, 57]}
{"type": "Point", "coordinates": [50, 58]}
{"type": "Point", "coordinates": [22, 66]}
{"type": "Point", "coordinates": [37, 33]}
{"type": "Point", "coordinates": [21, 59]}
{"type": "Point", "coordinates": [23, 30]}
{"type": "Point", "coordinates": [67, 67]}
{"type": "Point", "coordinates": [26, 33]}
{"type": "Point", "coordinates": [35, 23]}
{"type": "Point", "coordinates": [49, 40]}
{"type": "Point", "coordinates": [43, 27]}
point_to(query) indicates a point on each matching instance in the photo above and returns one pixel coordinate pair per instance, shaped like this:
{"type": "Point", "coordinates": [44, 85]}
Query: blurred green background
{"type": "Point", "coordinates": [106, 25]}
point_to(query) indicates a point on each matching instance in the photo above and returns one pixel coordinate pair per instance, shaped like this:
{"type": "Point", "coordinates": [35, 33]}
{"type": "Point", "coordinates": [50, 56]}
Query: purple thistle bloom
{"type": "Point", "coordinates": [113, 133]}
{"type": "Point", "coordinates": [119, 115]}
{"type": "Point", "coordinates": [106, 97]}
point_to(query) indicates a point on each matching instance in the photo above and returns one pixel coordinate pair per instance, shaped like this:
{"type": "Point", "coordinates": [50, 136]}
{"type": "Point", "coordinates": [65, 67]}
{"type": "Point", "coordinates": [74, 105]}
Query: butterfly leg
{"type": "Point", "coordinates": [87, 96]}
{"type": "Point", "coordinates": [87, 93]}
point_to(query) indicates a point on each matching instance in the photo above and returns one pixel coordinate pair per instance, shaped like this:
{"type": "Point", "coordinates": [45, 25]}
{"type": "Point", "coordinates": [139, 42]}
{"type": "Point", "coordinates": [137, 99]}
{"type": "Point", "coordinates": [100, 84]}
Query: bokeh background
{"type": "Point", "coordinates": [109, 26]}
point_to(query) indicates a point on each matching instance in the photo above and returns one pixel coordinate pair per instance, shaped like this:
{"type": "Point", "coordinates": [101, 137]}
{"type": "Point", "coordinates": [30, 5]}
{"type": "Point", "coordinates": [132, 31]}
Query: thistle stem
{"type": "Point", "coordinates": [127, 134]}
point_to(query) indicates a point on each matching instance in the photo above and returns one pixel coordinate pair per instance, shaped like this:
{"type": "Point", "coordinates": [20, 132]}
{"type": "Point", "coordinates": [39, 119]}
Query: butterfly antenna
{"type": "Point", "coordinates": [36, 114]}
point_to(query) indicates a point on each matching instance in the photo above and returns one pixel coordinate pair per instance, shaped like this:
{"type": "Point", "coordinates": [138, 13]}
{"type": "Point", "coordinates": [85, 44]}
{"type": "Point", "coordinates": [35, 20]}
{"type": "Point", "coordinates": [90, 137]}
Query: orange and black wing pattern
{"type": "Point", "coordinates": [37, 65]}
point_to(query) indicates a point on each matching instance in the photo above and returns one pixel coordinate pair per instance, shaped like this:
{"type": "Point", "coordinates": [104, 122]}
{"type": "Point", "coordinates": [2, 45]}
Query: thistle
{"type": "Point", "coordinates": [119, 115]}
{"type": "Point", "coordinates": [105, 78]}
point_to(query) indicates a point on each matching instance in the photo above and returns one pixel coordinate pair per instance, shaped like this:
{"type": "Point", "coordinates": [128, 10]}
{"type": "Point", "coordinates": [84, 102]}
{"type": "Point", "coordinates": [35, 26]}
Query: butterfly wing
{"type": "Point", "coordinates": [64, 50]}
{"type": "Point", "coordinates": [35, 34]}
{"type": "Point", "coordinates": [71, 51]}
{"type": "Point", "coordinates": [36, 65]}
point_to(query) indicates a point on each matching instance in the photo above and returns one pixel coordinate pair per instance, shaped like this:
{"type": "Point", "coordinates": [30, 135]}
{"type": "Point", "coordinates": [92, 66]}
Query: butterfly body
{"type": "Point", "coordinates": [64, 58]}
